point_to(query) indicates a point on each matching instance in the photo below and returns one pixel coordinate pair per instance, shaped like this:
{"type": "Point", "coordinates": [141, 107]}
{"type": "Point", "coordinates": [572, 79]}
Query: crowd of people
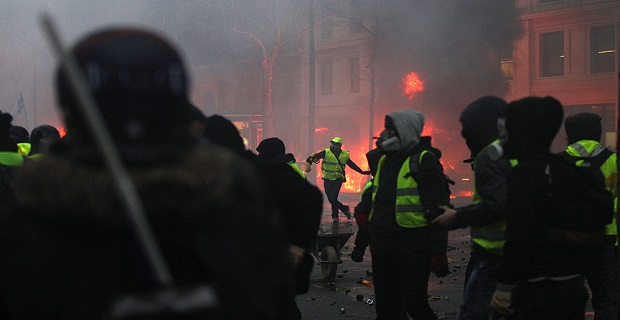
{"type": "Point", "coordinates": [233, 227]}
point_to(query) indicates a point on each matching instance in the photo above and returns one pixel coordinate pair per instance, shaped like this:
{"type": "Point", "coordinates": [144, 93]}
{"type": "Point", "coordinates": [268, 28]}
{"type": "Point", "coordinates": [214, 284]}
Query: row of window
{"type": "Point", "coordinates": [602, 51]}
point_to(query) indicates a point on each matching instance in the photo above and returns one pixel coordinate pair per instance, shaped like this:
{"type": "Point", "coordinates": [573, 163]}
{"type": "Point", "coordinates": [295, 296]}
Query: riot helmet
{"type": "Point", "coordinates": [139, 83]}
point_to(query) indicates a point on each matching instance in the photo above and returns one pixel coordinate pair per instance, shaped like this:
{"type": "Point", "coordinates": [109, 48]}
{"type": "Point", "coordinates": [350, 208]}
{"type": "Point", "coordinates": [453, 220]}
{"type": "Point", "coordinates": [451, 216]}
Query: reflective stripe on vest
{"type": "Point", "coordinates": [409, 209]}
{"type": "Point", "coordinates": [11, 159]}
{"type": "Point", "coordinates": [591, 148]}
{"type": "Point", "coordinates": [330, 166]}
{"type": "Point", "coordinates": [366, 187]}
{"type": "Point", "coordinates": [24, 148]}
{"type": "Point", "coordinates": [490, 237]}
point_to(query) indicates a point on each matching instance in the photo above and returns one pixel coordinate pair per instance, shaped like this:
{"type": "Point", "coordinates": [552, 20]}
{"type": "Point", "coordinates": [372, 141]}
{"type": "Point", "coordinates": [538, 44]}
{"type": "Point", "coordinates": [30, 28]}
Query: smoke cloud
{"type": "Point", "coordinates": [454, 46]}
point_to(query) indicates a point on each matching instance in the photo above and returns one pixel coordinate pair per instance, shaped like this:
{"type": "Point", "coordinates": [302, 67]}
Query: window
{"type": "Point", "coordinates": [506, 63]}
{"type": "Point", "coordinates": [326, 78]}
{"type": "Point", "coordinates": [552, 54]}
{"type": "Point", "coordinates": [354, 67]}
{"type": "Point", "coordinates": [327, 28]}
{"type": "Point", "coordinates": [602, 49]}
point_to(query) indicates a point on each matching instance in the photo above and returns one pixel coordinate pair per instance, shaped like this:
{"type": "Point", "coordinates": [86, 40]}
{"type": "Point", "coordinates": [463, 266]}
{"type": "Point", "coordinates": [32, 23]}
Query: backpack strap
{"type": "Point", "coordinates": [414, 162]}
{"type": "Point", "coordinates": [596, 161]}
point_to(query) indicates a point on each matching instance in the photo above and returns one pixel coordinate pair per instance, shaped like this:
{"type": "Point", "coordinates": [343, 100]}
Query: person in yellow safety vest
{"type": "Point", "coordinates": [583, 131]}
{"type": "Point", "coordinates": [10, 159]}
{"type": "Point", "coordinates": [21, 137]}
{"type": "Point", "coordinates": [362, 210]}
{"type": "Point", "coordinates": [405, 247]}
{"type": "Point", "coordinates": [41, 139]}
{"type": "Point", "coordinates": [333, 164]}
{"type": "Point", "coordinates": [486, 214]}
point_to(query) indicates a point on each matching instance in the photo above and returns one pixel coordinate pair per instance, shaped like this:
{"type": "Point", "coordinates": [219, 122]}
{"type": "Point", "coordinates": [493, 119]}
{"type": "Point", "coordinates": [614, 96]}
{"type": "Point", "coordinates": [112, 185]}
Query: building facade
{"type": "Point", "coordinates": [569, 50]}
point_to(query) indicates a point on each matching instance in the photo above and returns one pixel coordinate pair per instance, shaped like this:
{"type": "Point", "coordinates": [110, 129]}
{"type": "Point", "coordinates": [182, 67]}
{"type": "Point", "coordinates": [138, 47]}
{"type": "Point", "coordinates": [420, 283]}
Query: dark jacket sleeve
{"type": "Point", "coordinates": [365, 204]}
{"type": "Point", "coordinates": [490, 179]}
{"type": "Point", "coordinates": [433, 193]}
{"type": "Point", "coordinates": [316, 156]}
{"type": "Point", "coordinates": [354, 166]}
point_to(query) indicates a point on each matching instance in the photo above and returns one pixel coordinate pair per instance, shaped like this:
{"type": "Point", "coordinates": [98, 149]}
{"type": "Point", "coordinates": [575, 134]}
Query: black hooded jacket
{"type": "Point", "coordinates": [531, 125]}
{"type": "Point", "coordinates": [479, 122]}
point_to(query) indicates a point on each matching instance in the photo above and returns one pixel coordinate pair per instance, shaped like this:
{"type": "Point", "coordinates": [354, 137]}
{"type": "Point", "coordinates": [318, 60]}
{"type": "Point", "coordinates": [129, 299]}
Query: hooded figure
{"type": "Point", "coordinates": [583, 126]}
{"type": "Point", "coordinates": [405, 247]}
{"type": "Point", "coordinates": [479, 122]}
{"type": "Point", "coordinates": [531, 125]}
{"type": "Point", "coordinates": [10, 158]}
{"type": "Point", "coordinates": [407, 126]}
{"type": "Point", "coordinates": [486, 215]}
{"type": "Point", "coordinates": [534, 266]}
{"type": "Point", "coordinates": [584, 131]}
{"type": "Point", "coordinates": [42, 139]}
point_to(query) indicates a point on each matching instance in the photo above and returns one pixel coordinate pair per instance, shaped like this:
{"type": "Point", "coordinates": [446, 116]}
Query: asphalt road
{"type": "Point", "coordinates": [348, 298]}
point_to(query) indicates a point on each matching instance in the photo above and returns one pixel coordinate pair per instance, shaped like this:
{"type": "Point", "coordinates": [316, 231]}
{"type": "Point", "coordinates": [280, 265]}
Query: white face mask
{"type": "Point", "coordinates": [389, 143]}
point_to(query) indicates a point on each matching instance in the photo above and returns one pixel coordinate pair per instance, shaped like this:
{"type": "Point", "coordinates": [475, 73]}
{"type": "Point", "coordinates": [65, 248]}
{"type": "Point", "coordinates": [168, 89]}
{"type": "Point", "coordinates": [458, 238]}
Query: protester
{"type": "Point", "coordinates": [486, 215]}
{"type": "Point", "coordinates": [406, 197]}
{"type": "Point", "coordinates": [539, 278]}
{"type": "Point", "coordinates": [333, 165]}
{"type": "Point", "coordinates": [363, 208]}
{"type": "Point", "coordinates": [71, 251]}
{"type": "Point", "coordinates": [42, 138]}
{"type": "Point", "coordinates": [583, 131]}
{"type": "Point", "coordinates": [301, 206]}
{"type": "Point", "coordinates": [10, 159]}
{"type": "Point", "coordinates": [21, 137]}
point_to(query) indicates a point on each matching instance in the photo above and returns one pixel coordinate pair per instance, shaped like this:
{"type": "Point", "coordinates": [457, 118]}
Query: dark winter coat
{"type": "Point", "coordinates": [479, 122]}
{"type": "Point", "coordinates": [531, 125]}
{"type": "Point", "coordinates": [301, 203]}
{"type": "Point", "coordinates": [69, 249]}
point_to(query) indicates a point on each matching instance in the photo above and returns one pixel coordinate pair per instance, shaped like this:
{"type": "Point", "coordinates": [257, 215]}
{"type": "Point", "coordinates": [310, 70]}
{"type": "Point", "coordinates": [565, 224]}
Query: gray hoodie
{"type": "Point", "coordinates": [409, 125]}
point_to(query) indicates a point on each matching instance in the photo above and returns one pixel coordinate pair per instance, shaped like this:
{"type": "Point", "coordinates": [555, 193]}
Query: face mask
{"type": "Point", "coordinates": [389, 143]}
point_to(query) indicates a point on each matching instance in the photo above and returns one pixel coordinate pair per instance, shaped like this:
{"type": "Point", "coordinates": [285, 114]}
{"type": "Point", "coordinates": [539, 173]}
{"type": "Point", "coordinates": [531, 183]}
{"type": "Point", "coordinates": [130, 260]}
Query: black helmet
{"type": "Point", "coordinates": [19, 134]}
{"type": "Point", "coordinates": [139, 83]}
{"type": "Point", "coordinates": [42, 137]}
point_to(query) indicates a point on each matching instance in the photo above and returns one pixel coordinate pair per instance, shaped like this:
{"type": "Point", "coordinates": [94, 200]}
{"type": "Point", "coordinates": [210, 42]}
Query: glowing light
{"type": "Point", "coordinates": [412, 85]}
{"type": "Point", "coordinates": [322, 129]}
{"type": "Point", "coordinates": [62, 131]}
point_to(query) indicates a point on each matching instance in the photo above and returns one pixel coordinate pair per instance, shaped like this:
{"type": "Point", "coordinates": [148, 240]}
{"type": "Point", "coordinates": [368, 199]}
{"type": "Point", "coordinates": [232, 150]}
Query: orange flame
{"type": "Point", "coordinates": [412, 85]}
{"type": "Point", "coordinates": [62, 131]}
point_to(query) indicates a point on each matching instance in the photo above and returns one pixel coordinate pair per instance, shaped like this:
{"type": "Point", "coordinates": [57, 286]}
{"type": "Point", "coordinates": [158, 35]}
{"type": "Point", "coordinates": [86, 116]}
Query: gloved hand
{"type": "Point", "coordinates": [361, 219]}
{"type": "Point", "coordinates": [439, 264]}
{"type": "Point", "coordinates": [308, 167]}
{"type": "Point", "coordinates": [501, 301]}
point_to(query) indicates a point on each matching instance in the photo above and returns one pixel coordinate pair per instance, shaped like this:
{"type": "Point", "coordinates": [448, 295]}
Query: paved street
{"type": "Point", "coordinates": [339, 299]}
{"type": "Point", "coordinates": [347, 296]}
